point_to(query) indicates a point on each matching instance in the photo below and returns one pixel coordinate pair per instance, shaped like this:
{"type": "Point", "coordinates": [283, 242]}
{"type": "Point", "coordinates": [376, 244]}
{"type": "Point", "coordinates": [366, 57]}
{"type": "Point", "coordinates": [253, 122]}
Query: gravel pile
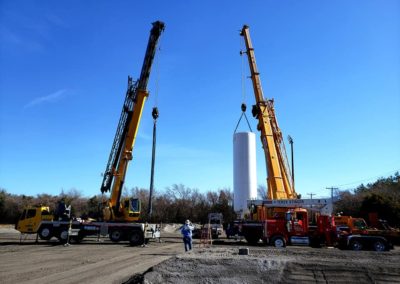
{"type": "Point", "coordinates": [271, 265]}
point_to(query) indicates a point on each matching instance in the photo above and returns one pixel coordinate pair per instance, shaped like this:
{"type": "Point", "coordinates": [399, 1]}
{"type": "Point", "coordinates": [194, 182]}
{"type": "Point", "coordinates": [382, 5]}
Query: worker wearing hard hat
{"type": "Point", "coordinates": [186, 231]}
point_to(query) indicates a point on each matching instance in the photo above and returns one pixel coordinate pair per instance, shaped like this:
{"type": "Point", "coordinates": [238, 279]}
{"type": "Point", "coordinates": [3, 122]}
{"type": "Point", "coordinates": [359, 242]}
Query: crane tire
{"type": "Point", "coordinates": [63, 235]}
{"type": "Point", "coordinates": [136, 238]}
{"type": "Point", "coordinates": [45, 233]}
{"type": "Point", "coordinates": [115, 235]}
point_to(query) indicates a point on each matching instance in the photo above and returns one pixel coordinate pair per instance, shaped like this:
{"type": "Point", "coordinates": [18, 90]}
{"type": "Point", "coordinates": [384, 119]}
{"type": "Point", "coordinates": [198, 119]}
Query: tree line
{"type": "Point", "coordinates": [174, 205]}
{"type": "Point", "coordinates": [177, 203]}
{"type": "Point", "coordinates": [381, 197]}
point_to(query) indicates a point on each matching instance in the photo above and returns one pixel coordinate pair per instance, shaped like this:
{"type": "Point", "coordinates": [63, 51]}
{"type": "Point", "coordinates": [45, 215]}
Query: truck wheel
{"type": "Point", "coordinates": [278, 242]}
{"type": "Point", "coordinates": [136, 238]}
{"type": "Point", "coordinates": [115, 235]}
{"type": "Point", "coordinates": [63, 236]}
{"type": "Point", "coordinates": [356, 245]}
{"type": "Point", "coordinates": [379, 246]}
{"type": "Point", "coordinates": [45, 233]}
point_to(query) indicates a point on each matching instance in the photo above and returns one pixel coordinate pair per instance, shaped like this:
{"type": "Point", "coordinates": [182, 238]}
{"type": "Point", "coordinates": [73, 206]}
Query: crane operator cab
{"type": "Point", "coordinates": [132, 207]}
{"type": "Point", "coordinates": [128, 211]}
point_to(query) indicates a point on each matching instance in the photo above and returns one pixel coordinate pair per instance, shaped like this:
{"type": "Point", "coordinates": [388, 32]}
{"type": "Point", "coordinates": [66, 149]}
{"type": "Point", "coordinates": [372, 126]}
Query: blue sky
{"type": "Point", "coordinates": [333, 69]}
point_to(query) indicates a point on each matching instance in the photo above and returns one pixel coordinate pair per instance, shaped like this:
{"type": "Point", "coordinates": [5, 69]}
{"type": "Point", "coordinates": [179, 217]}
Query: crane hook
{"type": "Point", "coordinates": [154, 113]}
{"type": "Point", "coordinates": [243, 107]}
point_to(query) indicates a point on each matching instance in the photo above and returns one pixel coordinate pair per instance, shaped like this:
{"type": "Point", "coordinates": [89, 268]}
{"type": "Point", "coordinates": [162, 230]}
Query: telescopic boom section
{"type": "Point", "coordinates": [279, 181]}
{"type": "Point", "coordinates": [121, 152]}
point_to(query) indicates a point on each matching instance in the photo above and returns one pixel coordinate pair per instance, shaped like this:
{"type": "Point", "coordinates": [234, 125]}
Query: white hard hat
{"type": "Point", "coordinates": [187, 222]}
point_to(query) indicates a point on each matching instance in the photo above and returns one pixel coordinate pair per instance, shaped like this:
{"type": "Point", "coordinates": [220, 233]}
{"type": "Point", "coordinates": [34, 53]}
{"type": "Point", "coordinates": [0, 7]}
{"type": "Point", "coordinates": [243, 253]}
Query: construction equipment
{"type": "Point", "coordinates": [292, 226]}
{"type": "Point", "coordinates": [270, 214]}
{"type": "Point", "coordinates": [215, 224]}
{"type": "Point", "coordinates": [121, 152]}
{"type": "Point", "coordinates": [120, 217]}
{"type": "Point", "coordinates": [279, 178]}
{"type": "Point", "coordinates": [282, 218]}
{"type": "Point", "coordinates": [269, 223]}
{"type": "Point", "coordinates": [358, 226]}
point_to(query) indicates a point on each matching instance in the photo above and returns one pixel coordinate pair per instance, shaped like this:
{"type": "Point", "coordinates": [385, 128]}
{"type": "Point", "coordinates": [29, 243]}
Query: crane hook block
{"type": "Point", "coordinates": [154, 113]}
{"type": "Point", "coordinates": [243, 107]}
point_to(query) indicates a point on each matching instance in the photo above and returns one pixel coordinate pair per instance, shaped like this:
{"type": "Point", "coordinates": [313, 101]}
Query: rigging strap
{"type": "Point", "coordinates": [243, 107]}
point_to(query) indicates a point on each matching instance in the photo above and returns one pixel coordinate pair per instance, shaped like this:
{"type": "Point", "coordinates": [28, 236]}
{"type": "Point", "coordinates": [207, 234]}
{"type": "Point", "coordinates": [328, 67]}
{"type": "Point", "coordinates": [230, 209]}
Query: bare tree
{"type": "Point", "coordinates": [262, 192]}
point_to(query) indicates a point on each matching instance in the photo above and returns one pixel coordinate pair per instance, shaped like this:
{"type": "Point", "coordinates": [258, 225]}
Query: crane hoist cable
{"type": "Point", "coordinates": [243, 106]}
{"type": "Point", "coordinates": [157, 74]}
{"type": "Point", "coordinates": [242, 77]}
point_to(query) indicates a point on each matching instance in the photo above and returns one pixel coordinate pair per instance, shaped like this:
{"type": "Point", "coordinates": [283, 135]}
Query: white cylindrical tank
{"type": "Point", "coordinates": [244, 170]}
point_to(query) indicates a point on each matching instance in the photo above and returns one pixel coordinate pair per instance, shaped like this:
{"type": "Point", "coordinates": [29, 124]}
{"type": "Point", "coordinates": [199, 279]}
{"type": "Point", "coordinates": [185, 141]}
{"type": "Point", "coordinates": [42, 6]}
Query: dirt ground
{"type": "Point", "coordinates": [92, 261]}
{"type": "Point", "coordinates": [102, 261]}
{"type": "Point", "coordinates": [270, 265]}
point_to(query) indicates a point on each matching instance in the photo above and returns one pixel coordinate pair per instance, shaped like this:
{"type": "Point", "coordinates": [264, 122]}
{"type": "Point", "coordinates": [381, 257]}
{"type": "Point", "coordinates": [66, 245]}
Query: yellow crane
{"type": "Point", "coordinates": [128, 210]}
{"type": "Point", "coordinates": [279, 180]}
{"type": "Point", "coordinates": [119, 216]}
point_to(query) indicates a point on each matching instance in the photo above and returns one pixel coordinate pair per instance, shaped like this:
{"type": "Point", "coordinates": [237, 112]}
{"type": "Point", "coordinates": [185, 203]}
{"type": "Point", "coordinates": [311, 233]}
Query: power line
{"type": "Point", "coordinates": [363, 180]}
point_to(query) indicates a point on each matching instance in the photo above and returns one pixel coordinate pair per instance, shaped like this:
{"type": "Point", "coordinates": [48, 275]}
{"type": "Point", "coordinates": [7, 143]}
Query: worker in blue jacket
{"type": "Point", "coordinates": [186, 231]}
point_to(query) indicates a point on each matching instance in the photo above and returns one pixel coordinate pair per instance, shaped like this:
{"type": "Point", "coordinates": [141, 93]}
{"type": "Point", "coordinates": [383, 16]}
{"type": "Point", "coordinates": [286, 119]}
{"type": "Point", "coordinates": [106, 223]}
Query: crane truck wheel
{"type": "Point", "coordinates": [45, 233]}
{"type": "Point", "coordinates": [278, 242]}
{"type": "Point", "coordinates": [63, 235]}
{"type": "Point", "coordinates": [136, 238]}
{"type": "Point", "coordinates": [356, 245]}
{"type": "Point", "coordinates": [115, 235]}
{"type": "Point", "coordinates": [379, 246]}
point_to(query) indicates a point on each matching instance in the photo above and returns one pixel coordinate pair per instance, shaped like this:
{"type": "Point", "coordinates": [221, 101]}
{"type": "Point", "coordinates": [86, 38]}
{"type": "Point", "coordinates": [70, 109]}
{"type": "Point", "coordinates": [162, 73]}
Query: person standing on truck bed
{"type": "Point", "coordinates": [186, 231]}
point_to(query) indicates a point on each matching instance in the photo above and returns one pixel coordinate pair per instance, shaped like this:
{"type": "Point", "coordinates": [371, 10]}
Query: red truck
{"type": "Point", "coordinates": [286, 222]}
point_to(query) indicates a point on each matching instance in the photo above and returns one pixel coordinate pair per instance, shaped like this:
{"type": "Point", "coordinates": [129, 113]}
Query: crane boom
{"type": "Point", "coordinates": [121, 151]}
{"type": "Point", "coordinates": [279, 180]}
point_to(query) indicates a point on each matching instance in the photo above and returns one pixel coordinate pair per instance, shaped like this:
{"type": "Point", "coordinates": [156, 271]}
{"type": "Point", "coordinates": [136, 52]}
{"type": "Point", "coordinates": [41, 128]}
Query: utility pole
{"type": "Point", "coordinates": [290, 139]}
{"type": "Point", "coordinates": [332, 189]}
{"type": "Point", "coordinates": [312, 213]}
